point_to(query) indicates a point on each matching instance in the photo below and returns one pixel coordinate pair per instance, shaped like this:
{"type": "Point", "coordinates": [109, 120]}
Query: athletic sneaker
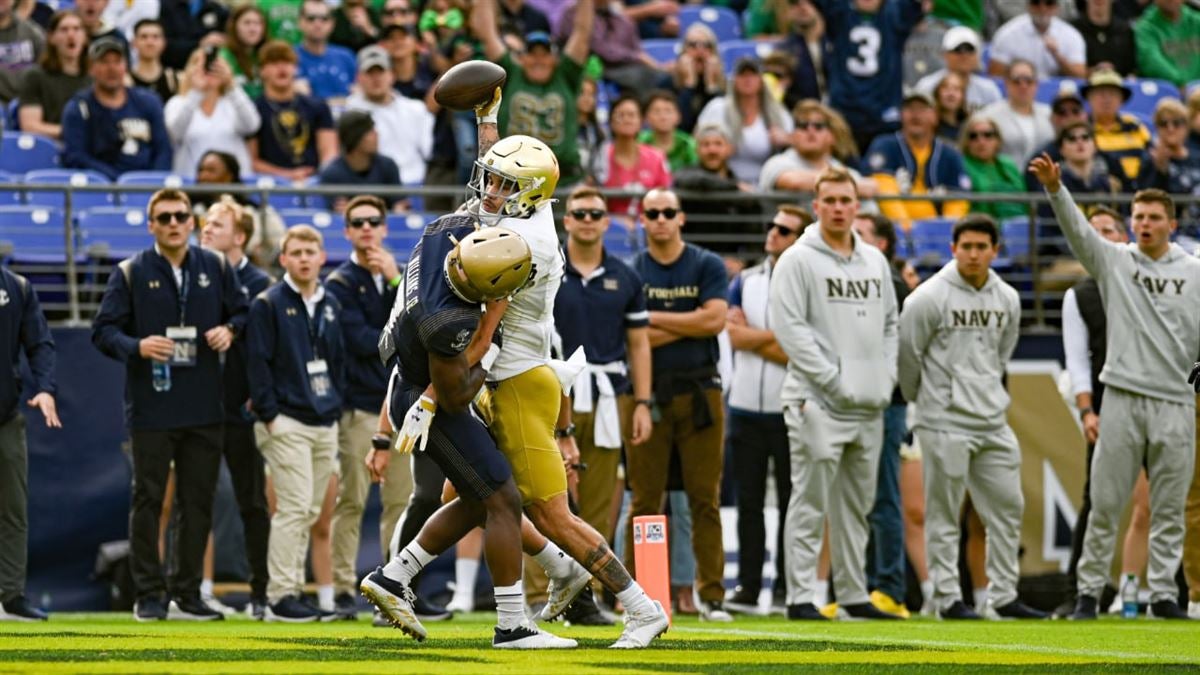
{"type": "Point", "coordinates": [885, 603]}
{"type": "Point", "coordinates": [584, 612]}
{"type": "Point", "coordinates": [1065, 609]}
{"type": "Point", "coordinates": [378, 620]}
{"type": "Point", "coordinates": [149, 608]}
{"type": "Point", "coordinates": [216, 605]}
{"type": "Point", "coordinates": [529, 636]}
{"type": "Point", "coordinates": [1194, 609]}
{"type": "Point", "coordinates": [1013, 610]}
{"type": "Point", "coordinates": [805, 612]}
{"type": "Point", "coordinates": [461, 604]}
{"type": "Point", "coordinates": [714, 610]}
{"type": "Point", "coordinates": [562, 592]}
{"type": "Point", "coordinates": [742, 600]}
{"type": "Point", "coordinates": [395, 600]}
{"type": "Point", "coordinates": [1085, 608]}
{"type": "Point", "coordinates": [865, 611]}
{"type": "Point", "coordinates": [958, 611]}
{"type": "Point", "coordinates": [1166, 609]}
{"type": "Point", "coordinates": [291, 609]}
{"type": "Point", "coordinates": [257, 608]}
{"type": "Point", "coordinates": [427, 611]}
{"type": "Point", "coordinates": [191, 609]}
{"type": "Point", "coordinates": [345, 607]}
{"type": "Point", "coordinates": [779, 599]}
{"type": "Point", "coordinates": [18, 609]}
{"type": "Point", "coordinates": [641, 629]}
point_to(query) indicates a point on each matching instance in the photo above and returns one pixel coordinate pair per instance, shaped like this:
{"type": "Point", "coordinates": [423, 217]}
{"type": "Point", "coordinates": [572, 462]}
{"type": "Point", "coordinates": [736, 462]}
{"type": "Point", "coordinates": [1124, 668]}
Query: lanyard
{"type": "Point", "coordinates": [315, 330]}
{"type": "Point", "coordinates": [183, 298]}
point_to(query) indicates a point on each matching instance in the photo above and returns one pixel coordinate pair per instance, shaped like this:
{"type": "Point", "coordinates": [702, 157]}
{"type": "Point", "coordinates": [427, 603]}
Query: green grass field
{"type": "Point", "coordinates": [112, 643]}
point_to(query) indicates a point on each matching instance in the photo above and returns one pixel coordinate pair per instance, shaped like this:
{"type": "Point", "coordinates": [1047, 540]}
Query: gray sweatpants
{"type": "Point", "coordinates": [989, 465]}
{"type": "Point", "coordinates": [14, 520]}
{"type": "Point", "coordinates": [1134, 428]}
{"type": "Point", "coordinates": [834, 466]}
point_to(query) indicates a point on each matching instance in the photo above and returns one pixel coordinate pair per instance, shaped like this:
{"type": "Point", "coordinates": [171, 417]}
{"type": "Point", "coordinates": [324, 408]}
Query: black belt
{"type": "Point", "coordinates": [671, 384]}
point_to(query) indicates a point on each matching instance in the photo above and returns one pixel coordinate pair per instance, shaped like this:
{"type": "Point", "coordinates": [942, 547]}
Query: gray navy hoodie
{"type": "Point", "coordinates": [835, 317]}
{"type": "Point", "coordinates": [955, 343]}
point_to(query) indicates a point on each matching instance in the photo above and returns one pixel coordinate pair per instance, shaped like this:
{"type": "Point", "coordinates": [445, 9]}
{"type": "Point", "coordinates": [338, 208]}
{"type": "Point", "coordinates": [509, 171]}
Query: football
{"type": "Point", "coordinates": [468, 84]}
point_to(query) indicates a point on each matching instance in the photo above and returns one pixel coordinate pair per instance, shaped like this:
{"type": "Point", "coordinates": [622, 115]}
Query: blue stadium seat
{"type": "Point", "coordinates": [622, 243]}
{"type": "Point", "coordinates": [328, 223]}
{"type": "Point", "coordinates": [733, 50]}
{"type": "Point", "coordinates": [415, 202]}
{"type": "Point", "coordinates": [1146, 94]}
{"type": "Point", "coordinates": [931, 240]}
{"type": "Point", "coordinates": [1048, 88]}
{"type": "Point", "coordinates": [35, 233]}
{"type": "Point", "coordinates": [722, 20]}
{"type": "Point", "coordinates": [663, 50]}
{"type": "Point", "coordinates": [73, 177]}
{"type": "Point", "coordinates": [277, 201]}
{"type": "Point", "coordinates": [25, 152]}
{"type": "Point", "coordinates": [10, 197]}
{"type": "Point", "coordinates": [12, 121]}
{"type": "Point", "coordinates": [150, 179]}
{"type": "Point", "coordinates": [112, 232]}
{"type": "Point", "coordinates": [1014, 233]}
{"type": "Point", "coordinates": [404, 231]}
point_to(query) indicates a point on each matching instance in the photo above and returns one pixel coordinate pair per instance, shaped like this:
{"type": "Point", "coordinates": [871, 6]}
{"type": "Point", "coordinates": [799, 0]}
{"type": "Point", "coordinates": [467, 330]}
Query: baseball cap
{"type": "Point", "coordinates": [373, 56]}
{"type": "Point", "coordinates": [1067, 91]}
{"type": "Point", "coordinates": [104, 45]}
{"type": "Point", "coordinates": [406, 28]}
{"type": "Point", "coordinates": [917, 95]}
{"type": "Point", "coordinates": [747, 63]}
{"type": "Point", "coordinates": [538, 37]}
{"type": "Point", "coordinates": [958, 36]}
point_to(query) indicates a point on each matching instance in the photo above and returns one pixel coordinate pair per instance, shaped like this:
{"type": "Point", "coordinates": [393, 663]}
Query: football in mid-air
{"type": "Point", "coordinates": [468, 84]}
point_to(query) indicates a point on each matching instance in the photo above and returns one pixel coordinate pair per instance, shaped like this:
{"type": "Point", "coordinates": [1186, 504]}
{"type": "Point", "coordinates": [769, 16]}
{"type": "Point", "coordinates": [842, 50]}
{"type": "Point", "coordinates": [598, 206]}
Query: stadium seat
{"type": "Point", "coordinates": [72, 177]}
{"type": "Point", "coordinates": [34, 233]}
{"type": "Point", "coordinates": [931, 240]}
{"type": "Point", "coordinates": [735, 49]}
{"type": "Point", "coordinates": [12, 121]}
{"type": "Point", "coordinates": [1146, 94]}
{"type": "Point", "coordinates": [722, 20]}
{"type": "Point", "coordinates": [10, 197]}
{"type": "Point", "coordinates": [278, 201]}
{"type": "Point", "coordinates": [328, 223]}
{"type": "Point", "coordinates": [1048, 88]}
{"type": "Point", "coordinates": [663, 50]}
{"type": "Point", "coordinates": [1014, 233]}
{"type": "Point", "coordinates": [150, 179]}
{"type": "Point", "coordinates": [20, 152]}
{"type": "Point", "coordinates": [622, 243]}
{"type": "Point", "coordinates": [112, 232]}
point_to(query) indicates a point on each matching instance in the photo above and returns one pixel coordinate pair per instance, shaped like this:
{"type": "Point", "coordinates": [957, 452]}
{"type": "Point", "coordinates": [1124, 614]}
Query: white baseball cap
{"type": "Point", "coordinates": [961, 35]}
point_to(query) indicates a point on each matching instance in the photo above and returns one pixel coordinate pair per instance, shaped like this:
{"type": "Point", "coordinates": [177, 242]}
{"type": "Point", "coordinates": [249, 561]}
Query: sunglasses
{"type": "Point", "coordinates": [1075, 138]}
{"type": "Point", "coordinates": [1171, 123]}
{"type": "Point", "coordinates": [783, 229]}
{"type": "Point", "coordinates": [165, 217]}
{"type": "Point", "coordinates": [653, 214]}
{"type": "Point", "coordinates": [373, 221]}
{"type": "Point", "coordinates": [698, 44]}
{"type": "Point", "coordinates": [963, 49]}
{"type": "Point", "coordinates": [316, 17]}
{"type": "Point", "coordinates": [1068, 110]}
{"type": "Point", "coordinates": [1046, 3]}
{"type": "Point", "coordinates": [585, 214]}
{"type": "Point", "coordinates": [976, 135]}
{"type": "Point", "coordinates": [815, 126]}
{"type": "Point", "coordinates": [398, 10]}
{"type": "Point", "coordinates": [1022, 79]}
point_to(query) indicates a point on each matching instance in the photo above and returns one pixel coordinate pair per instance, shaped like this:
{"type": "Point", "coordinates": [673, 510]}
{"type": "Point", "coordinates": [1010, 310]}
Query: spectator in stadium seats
{"type": "Point", "coordinates": [283, 19]}
{"type": "Point", "coordinates": [949, 98]}
{"type": "Point", "coordinates": [91, 12]}
{"type": "Point", "coordinates": [961, 48]}
{"type": "Point", "coordinates": [655, 19]}
{"type": "Point", "coordinates": [21, 46]}
{"type": "Point", "coordinates": [521, 18]}
{"type": "Point", "coordinates": [1052, 46]}
{"type": "Point", "coordinates": [1193, 107]}
{"type": "Point", "coordinates": [1169, 164]}
{"type": "Point", "coordinates": [757, 434]}
{"type": "Point", "coordinates": [1121, 136]}
{"type": "Point", "coordinates": [1168, 42]}
{"type": "Point", "coordinates": [170, 344]}
{"type": "Point", "coordinates": [591, 137]}
{"type": "Point", "coordinates": [803, 44]}
{"type": "Point", "coordinates": [712, 174]}
{"type": "Point", "coordinates": [758, 123]}
{"type": "Point", "coordinates": [811, 152]}
{"type": "Point", "coordinates": [361, 163]}
{"type": "Point", "coordinates": [614, 40]}
{"type": "Point", "coordinates": [864, 62]}
{"type": "Point", "coordinates": [112, 128]}
{"type": "Point", "coordinates": [191, 24]}
{"type": "Point", "coordinates": [1083, 170]}
{"type": "Point", "coordinates": [246, 33]}
{"type": "Point", "coordinates": [990, 170]}
{"type": "Point", "coordinates": [915, 161]}
{"type": "Point", "coordinates": [355, 25]}
{"type": "Point", "coordinates": [405, 125]}
{"type": "Point", "coordinates": [327, 69]}
{"type": "Point", "coordinates": [296, 136]}
{"type": "Point", "coordinates": [542, 88]}
{"type": "Point", "coordinates": [148, 71]}
{"type": "Point", "coordinates": [216, 167]}
{"type": "Point", "coordinates": [210, 112]}
{"type": "Point", "coordinates": [661, 110]}
{"type": "Point", "coordinates": [1066, 108]}
{"type": "Point", "coordinates": [698, 74]}
{"type": "Point", "coordinates": [1108, 39]}
{"type": "Point", "coordinates": [36, 11]}
{"type": "Point", "coordinates": [1024, 123]}
{"type": "Point", "coordinates": [686, 290]}
{"type": "Point", "coordinates": [397, 12]}
{"type": "Point", "coordinates": [46, 87]}
{"type": "Point", "coordinates": [627, 163]}
{"type": "Point", "coordinates": [125, 15]}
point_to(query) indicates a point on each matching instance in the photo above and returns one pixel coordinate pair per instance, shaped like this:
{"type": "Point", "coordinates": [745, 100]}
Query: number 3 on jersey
{"type": "Point", "coordinates": [866, 62]}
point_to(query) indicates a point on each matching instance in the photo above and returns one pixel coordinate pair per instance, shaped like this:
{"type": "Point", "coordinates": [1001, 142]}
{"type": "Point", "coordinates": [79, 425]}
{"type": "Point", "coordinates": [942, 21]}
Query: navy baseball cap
{"type": "Point", "coordinates": [538, 37]}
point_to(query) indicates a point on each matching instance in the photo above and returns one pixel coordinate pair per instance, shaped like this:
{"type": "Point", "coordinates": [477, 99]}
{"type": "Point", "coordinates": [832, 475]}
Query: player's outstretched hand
{"type": "Point", "coordinates": [1047, 171]}
{"type": "Point", "coordinates": [487, 112]}
{"type": "Point", "coordinates": [414, 433]}
{"type": "Point", "coordinates": [1194, 377]}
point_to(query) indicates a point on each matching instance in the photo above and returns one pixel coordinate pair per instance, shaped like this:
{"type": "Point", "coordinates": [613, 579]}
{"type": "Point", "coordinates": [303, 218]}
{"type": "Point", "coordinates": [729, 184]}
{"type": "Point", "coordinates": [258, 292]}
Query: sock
{"type": "Point", "coordinates": [206, 588]}
{"type": "Point", "coordinates": [408, 563]}
{"type": "Point", "coordinates": [821, 593]}
{"type": "Point", "coordinates": [635, 600]}
{"type": "Point", "coordinates": [466, 571]}
{"type": "Point", "coordinates": [554, 561]}
{"type": "Point", "coordinates": [325, 597]}
{"type": "Point", "coordinates": [510, 605]}
{"type": "Point", "coordinates": [926, 592]}
{"type": "Point", "coordinates": [980, 595]}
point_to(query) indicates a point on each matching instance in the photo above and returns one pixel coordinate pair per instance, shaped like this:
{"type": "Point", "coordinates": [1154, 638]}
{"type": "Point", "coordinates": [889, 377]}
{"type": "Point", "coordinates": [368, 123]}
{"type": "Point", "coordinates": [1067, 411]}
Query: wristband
{"type": "Point", "coordinates": [381, 442]}
{"type": "Point", "coordinates": [649, 403]}
{"type": "Point", "coordinates": [567, 432]}
{"type": "Point", "coordinates": [1084, 413]}
{"type": "Point", "coordinates": [395, 282]}
{"type": "Point", "coordinates": [486, 119]}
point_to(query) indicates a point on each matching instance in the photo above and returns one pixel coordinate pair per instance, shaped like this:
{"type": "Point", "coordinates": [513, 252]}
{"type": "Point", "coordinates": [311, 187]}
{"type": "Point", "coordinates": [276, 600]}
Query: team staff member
{"type": "Point", "coordinates": [686, 292]}
{"type": "Point", "coordinates": [957, 335]}
{"type": "Point", "coordinates": [834, 312]}
{"type": "Point", "coordinates": [366, 287]}
{"type": "Point", "coordinates": [167, 313]}
{"type": "Point", "coordinates": [227, 228]}
{"type": "Point", "coordinates": [22, 329]}
{"type": "Point", "coordinates": [1149, 416]}
{"type": "Point", "coordinates": [296, 363]}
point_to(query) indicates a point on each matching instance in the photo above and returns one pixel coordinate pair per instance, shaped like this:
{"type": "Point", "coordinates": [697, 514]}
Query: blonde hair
{"type": "Point", "coordinates": [965, 133]}
{"type": "Point", "coordinates": [844, 148]}
{"type": "Point", "coordinates": [242, 221]}
{"type": "Point", "coordinates": [1171, 105]}
{"type": "Point", "coordinates": [168, 195]}
{"type": "Point", "coordinates": [306, 233]}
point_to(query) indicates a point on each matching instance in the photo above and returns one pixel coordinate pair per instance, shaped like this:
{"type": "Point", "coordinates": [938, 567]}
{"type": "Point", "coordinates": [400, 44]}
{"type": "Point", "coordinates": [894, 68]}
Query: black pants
{"type": "Point", "coordinates": [196, 452]}
{"type": "Point", "coordinates": [754, 439]}
{"type": "Point", "coordinates": [426, 498]}
{"type": "Point", "coordinates": [245, 464]}
{"type": "Point", "coordinates": [14, 513]}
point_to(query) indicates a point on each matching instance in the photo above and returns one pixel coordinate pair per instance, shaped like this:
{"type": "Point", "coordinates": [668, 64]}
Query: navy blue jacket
{"type": "Point", "coordinates": [142, 299]}
{"type": "Point", "coordinates": [364, 314]}
{"type": "Point", "coordinates": [279, 345]}
{"type": "Point", "coordinates": [22, 327]}
{"type": "Point", "coordinates": [237, 387]}
{"type": "Point", "coordinates": [130, 138]}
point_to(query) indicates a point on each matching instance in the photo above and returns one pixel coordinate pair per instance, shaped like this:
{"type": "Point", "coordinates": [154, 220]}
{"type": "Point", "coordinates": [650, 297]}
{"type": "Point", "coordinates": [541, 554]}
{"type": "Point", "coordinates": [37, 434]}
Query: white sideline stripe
{"type": "Point", "coordinates": [926, 643]}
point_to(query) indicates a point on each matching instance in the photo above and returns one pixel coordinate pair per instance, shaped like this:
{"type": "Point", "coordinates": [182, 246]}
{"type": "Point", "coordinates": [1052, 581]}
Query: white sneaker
{"type": "Point", "coordinates": [461, 605]}
{"type": "Point", "coordinates": [640, 631]}
{"type": "Point", "coordinates": [529, 636]}
{"type": "Point", "coordinates": [1194, 609]}
{"type": "Point", "coordinates": [713, 610]}
{"type": "Point", "coordinates": [562, 592]}
{"type": "Point", "coordinates": [395, 601]}
{"type": "Point", "coordinates": [216, 605]}
{"type": "Point", "coordinates": [1115, 607]}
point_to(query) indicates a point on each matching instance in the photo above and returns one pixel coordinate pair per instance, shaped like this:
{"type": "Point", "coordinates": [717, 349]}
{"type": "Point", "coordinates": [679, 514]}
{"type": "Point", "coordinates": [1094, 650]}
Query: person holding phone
{"type": "Point", "coordinates": [209, 113]}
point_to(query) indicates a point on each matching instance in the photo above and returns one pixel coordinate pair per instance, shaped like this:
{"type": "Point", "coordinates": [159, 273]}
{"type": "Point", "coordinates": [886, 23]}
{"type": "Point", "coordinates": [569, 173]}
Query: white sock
{"type": "Point", "coordinates": [821, 593]}
{"type": "Point", "coordinates": [510, 605]}
{"type": "Point", "coordinates": [408, 563]}
{"type": "Point", "coordinates": [927, 591]}
{"type": "Point", "coordinates": [635, 599]}
{"type": "Point", "coordinates": [980, 595]}
{"type": "Point", "coordinates": [552, 559]}
{"type": "Point", "coordinates": [325, 597]}
{"type": "Point", "coordinates": [466, 570]}
{"type": "Point", "coordinates": [206, 588]}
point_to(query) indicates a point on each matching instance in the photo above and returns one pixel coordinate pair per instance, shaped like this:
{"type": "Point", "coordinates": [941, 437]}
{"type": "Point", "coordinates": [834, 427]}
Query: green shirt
{"type": "Point", "coordinates": [283, 19]}
{"type": "Point", "coordinates": [1001, 175]}
{"type": "Point", "coordinates": [683, 149]}
{"type": "Point", "coordinates": [760, 18]}
{"type": "Point", "coordinates": [1168, 51]}
{"type": "Point", "coordinates": [545, 111]}
{"type": "Point", "coordinates": [966, 12]}
{"type": "Point", "coordinates": [251, 83]}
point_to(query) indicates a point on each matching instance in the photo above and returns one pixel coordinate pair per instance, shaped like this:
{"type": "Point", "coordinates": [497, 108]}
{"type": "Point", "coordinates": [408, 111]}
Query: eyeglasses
{"type": "Point", "coordinates": [783, 229]}
{"type": "Point", "coordinates": [1064, 111]}
{"type": "Point", "coordinates": [584, 214]}
{"type": "Point", "coordinates": [165, 217]}
{"type": "Point", "coordinates": [1172, 123]}
{"type": "Point", "coordinates": [698, 44]}
{"type": "Point", "coordinates": [653, 214]}
{"type": "Point", "coordinates": [815, 126]}
{"type": "Point", "coordinates": [1022, 79]}
{"type": "Point", "coordinates": [316, 17]}
{"type": "Point", "coordinates": [373, 221]}
{"type": "Point", "coordinates": [1075, 138]}
{"type": "Point", "coordinates": [976, 135]}
{"type": "Point", "coordinates": [965, 48]}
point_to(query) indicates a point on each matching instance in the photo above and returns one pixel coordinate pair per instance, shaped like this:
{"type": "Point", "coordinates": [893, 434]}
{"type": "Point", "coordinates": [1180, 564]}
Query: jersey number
{"type": "Point", "coordinates": [866, 62]}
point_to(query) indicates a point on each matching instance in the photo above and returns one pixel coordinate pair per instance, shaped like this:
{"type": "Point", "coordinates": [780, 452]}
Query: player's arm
{"type": "Point", "coordinates": [455, 381]}
{"type": "Point", "coordinates": [918, 325]}
{"type": "Point", "coordinates": [706, 321]}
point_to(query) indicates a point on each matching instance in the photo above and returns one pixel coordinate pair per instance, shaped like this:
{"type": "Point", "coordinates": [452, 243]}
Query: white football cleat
{"type": "Point", "coordinates": [641, 630]}
{"type": "Point", "coordinates": [395, 601]}
{"type": "Point", "coordinates": [562, 592]}
{"type": "Point", "coordinates": [529, 636]}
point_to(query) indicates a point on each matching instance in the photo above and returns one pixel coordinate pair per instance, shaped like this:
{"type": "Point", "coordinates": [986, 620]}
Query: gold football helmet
{"type": "Point", "coordinates": [517, 175]}
{"type": "Point", "coordinates": [489, 264]}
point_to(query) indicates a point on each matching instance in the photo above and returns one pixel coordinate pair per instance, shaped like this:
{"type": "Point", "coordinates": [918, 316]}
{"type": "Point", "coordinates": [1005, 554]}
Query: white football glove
{"type": "Point", "coordinates": [414, 433]}
{"type": "Point", "coordinates": [486, 113]}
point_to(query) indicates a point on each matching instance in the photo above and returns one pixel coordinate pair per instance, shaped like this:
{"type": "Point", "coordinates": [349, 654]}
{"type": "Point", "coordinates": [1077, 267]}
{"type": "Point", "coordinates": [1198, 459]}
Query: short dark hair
{"type": "Point", "coordinates": [884, 229]}
{"type": "Point", "coordinates": [659, 95]}
{"type": "Point", "coordinates": [231, 164]}
{"type": "Point", "coordinates": [275, 51]}
{"type": "Point", "coordinates": [365, 200]}
{"type": "Point", "coordinates": [798, 212]}
{"type": "Point", "coordinates": [145, 22]}
{"type": "Point", "coordinates": [977, 222]}
{"type": "Point", "coordinates": [1156, 196]}
{"type": "Point", "coordinates": [585, 192]}
{"type": "Point", "coordinates": [627, 98]}
{"type": "Point", "coordinates": [168, 195]}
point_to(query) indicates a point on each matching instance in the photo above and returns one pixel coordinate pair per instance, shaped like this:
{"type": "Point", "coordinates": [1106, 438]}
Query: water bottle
{"type": "Point", "coordinates": [1129, 597]}
{"type": "Point", "coordinates": [160, 375]}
